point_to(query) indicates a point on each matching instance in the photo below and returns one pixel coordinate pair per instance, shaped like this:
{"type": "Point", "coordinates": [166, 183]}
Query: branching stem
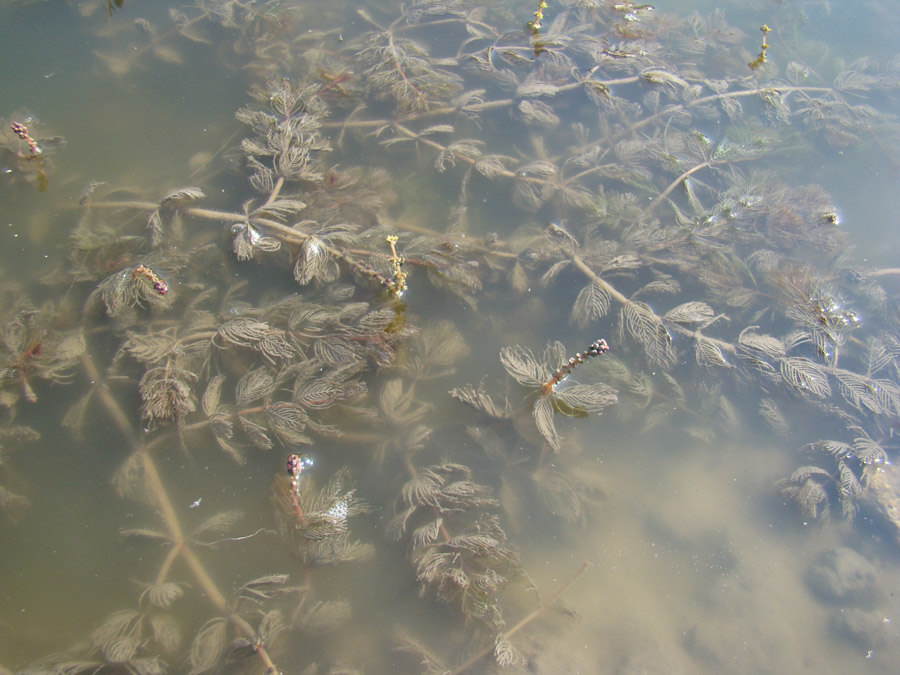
{"type": "Point", "coordinates": [170, 518]}
{"type": "Point", "coordinates": [527, 619]}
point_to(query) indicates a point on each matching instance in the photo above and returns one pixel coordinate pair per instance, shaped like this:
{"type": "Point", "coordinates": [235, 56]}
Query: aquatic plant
{"type": "Point", "coordinates": [24, 148]}
{"type": "Point", "coordinates": [706, 267]}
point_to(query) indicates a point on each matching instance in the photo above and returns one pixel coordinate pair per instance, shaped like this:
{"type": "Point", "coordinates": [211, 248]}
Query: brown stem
{"type": "Point", "coordinates": [715, 97]}
{"type": "Point", "coordinates": [167, 511]}
{"type": "Point", "coordinates": [167, 563]}
{"type": "Point", "coordinates": [275, 191]}
{"type": "Point", "coordinates": [675, 183]}
{"type": "Point", "coordinates": [506, 173]}
{"type": "Point", "coordinates": [209, 214]}
{"type": "Point", "coordinates": [527, 619]}
{"type": "Point", "coordinates": [470, 108]}
{"type": "Point", "coordinates": [618, 297]}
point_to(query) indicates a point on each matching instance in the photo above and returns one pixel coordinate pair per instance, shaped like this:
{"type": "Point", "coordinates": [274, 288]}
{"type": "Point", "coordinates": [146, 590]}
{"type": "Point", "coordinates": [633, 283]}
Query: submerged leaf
{"type": "Point", "coordinates": [587, 397]}
{"type": "Point", "coordinates": [543, 418]}
{"type": "Point", "coordinates": [591, 304]}
{"type": "Point", "coordinates": [806, 375]}
{"type": "Point", "coordinates": [163, 594]}
{"type": "Point", "coordinates": [254, 385]}
{"type": "Point", "coordinates": [640, 322]}
{"type": "Point", "coordinates": [522, 365]}
{"type": "Point", "coordinates": [186, 194]}
{"type": "Point", "coordinates": [481, 400]}
{"type": "Point", "coordinates": [220, 523]}
{"type": "Point", "coordinates": [208, 646]}
{"type": "Point", "coordinates": [690, 312]}
{"type": "Point", "coordinates": [209, 402]}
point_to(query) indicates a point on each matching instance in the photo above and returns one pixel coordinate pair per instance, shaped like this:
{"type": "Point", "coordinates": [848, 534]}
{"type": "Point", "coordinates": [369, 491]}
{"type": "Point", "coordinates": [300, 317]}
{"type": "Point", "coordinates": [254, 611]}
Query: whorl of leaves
{"type": "Point", "coordinates": [403, 69]}
{"type": "Point", "coordinates": [248, 239]}
{"type": "Point", "coordinates": [559, 494]}
{"type": "Point", "coordinates": [165, 631]}
{"type": "Point", "coordinates": [321, 534]}
{"type": "Point", "coordinates": [126, 290]}
{"type": "Point", "coordinates": [288, 420]}
{"type": "Point", "coordinates": [129, 480]}
{"type": "Point", "coordinates": [261, 589]}
{"type": "Point", "coordinates": [167, 393]}
{"type": "Point", "coordinates": [152, 347]}
{"type": "Point", "coordinates": [470, 569]}
{"type": "Point", "coordinates": [162, 594]}
{"type": "Point", "coordinates": [123, 623]}
{"type": "Point", "coordinates": [755, 345]}
{"type": "Point", "coordinates": [479, 399]}
{"type": "Point", "coordinates": [709, 353]}
{"type": "Point", "coordinates": [120, 649]}
{"type": "Point", "coordinates": [507, 655]}
{"type": "Point", "coordinates": [427, 533]}
{"type": "Point", "coordinates": [848, 490]}
{"type": "Point", "coordinates": [209, 402]}
{"type": "Point", "coordinates": [399, 405]}
{"type": "Point", "coordinates": [314, 262]}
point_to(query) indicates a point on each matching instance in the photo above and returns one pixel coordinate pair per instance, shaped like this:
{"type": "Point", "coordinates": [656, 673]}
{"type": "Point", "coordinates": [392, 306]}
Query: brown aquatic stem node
{"type": "Point", "coordinates": [596, 348]}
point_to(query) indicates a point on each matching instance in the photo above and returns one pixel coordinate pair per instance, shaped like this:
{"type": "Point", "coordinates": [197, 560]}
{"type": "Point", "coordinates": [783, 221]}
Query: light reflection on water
{"type": "Point", "coordinates": [696, 566]}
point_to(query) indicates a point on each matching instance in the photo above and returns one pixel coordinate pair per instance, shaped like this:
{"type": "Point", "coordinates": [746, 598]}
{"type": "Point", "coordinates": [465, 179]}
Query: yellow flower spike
{"type": "Point", "coordinates": [397, 284]}
{"type": "Point", "coordinates": [761, 57]}
{"type": "Point", "coordinates": [538, 17]}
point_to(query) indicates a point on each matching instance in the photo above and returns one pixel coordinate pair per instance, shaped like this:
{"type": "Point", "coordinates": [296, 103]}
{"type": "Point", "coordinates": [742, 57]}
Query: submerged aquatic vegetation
{"type": "Point", "coordinates": [575, 400]}
{"type": "Point", "coordinates": [325, 299]}
{"type": "Point", "coordinates": [23, 149]}
{"type": "Point", "coordinates": [315, 521]}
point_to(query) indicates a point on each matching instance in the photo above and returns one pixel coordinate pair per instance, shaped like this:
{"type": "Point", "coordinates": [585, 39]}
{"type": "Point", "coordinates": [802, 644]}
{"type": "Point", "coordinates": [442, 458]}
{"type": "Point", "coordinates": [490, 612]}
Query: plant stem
{"type": "Point", "coordinates": [616, 295]}
{"type": "Point", "coordinates": [275, 191]}
{"type": "Point", "coordinates": [675, 183]}
{"type": "Point", "coordinates": [524, 621]}
{"type": "Point", "coordinates": [170, 518]}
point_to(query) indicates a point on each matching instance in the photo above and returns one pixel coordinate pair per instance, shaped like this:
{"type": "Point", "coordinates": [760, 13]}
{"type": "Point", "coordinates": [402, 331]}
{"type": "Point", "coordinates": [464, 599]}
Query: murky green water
{"type": "Point", "coordinates": [225, 297]}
